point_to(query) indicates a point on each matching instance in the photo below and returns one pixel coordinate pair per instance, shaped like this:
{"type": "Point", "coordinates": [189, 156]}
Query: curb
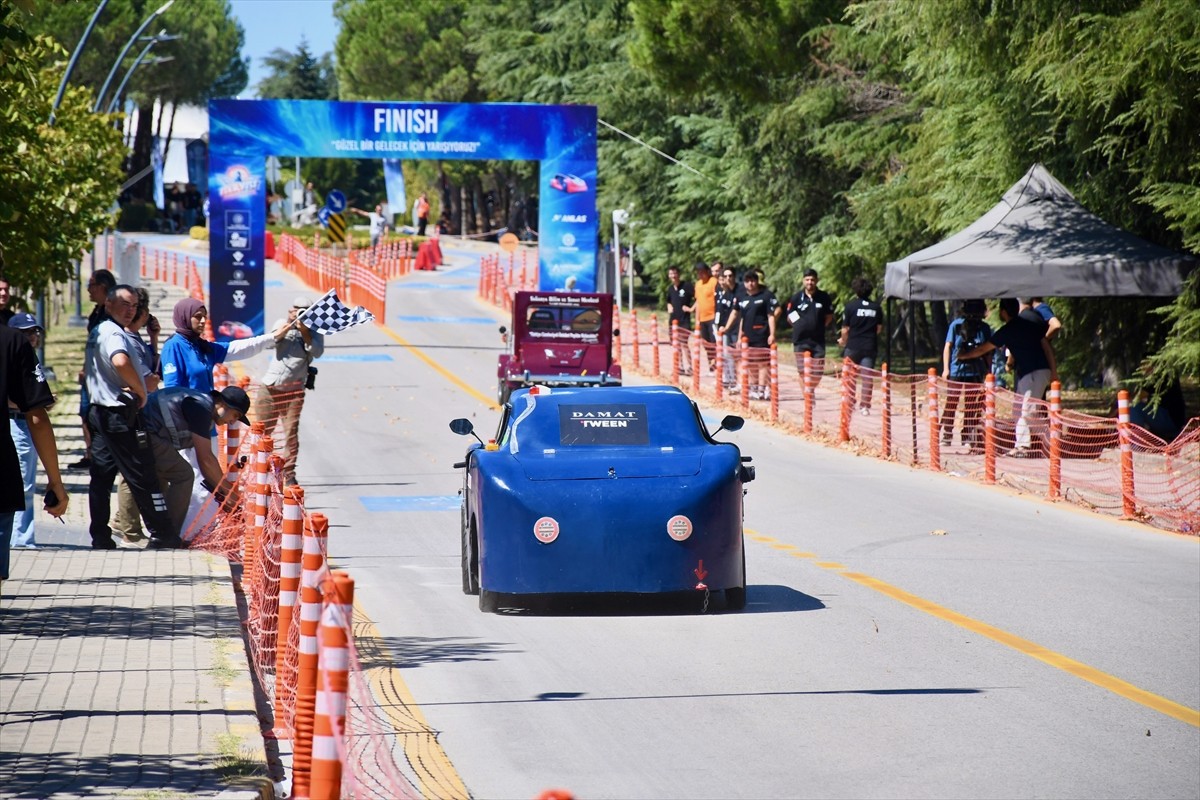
{"type": "Point", "coordinates": [240, 708]}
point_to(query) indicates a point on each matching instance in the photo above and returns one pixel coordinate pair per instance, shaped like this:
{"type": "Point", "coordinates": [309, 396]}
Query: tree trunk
{"type": "Point", "coordinates": [170, 130]}
{"type": "Point", "coordinates": [464, 215]}
{"type": "Point", "coordinates": [480, 216]}
{"type": "Point", "coordinates": [938, 323]}
{"type": "Point", "coordinates": [142, 141]}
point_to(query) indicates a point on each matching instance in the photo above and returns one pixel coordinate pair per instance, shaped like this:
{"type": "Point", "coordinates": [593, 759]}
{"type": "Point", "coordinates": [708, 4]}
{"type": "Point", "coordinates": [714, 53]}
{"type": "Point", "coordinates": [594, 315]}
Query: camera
{"type": "Point", "coordinates": [311, 382]}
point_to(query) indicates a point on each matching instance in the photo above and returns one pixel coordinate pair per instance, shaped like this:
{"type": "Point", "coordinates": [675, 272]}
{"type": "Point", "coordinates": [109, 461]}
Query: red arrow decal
{"type": "Point", "coordinates": [700, 571]}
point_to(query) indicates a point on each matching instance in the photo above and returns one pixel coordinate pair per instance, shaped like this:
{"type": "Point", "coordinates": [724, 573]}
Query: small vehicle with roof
{"type": "Point", "coordinates": [599, 491]}
{"type": "Point", "coordinates": [558, 339]}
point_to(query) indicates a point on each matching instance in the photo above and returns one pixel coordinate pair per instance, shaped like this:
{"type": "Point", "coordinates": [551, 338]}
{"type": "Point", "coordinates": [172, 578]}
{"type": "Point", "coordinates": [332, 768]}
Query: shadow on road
{"type": "Point", "coordinates": [760, 599]}
{"type": "Point", "coordinates": [578, 697]}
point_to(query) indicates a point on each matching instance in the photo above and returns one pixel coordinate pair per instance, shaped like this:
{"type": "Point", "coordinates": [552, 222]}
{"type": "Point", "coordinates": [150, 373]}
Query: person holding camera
{"type": "Point", "coordinates": [281, 397]}
{"type": "Point", "coordinates": [965, 377]}
{"type": "Point", "coordinates": [120, 443]}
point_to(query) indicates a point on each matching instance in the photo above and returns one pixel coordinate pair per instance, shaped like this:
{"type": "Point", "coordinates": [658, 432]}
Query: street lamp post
{"type": "Point", "coordinates": [77, 320]}
{"type": "Point", "coordinates": [619, 217]}
{"type": "Point", "coordinates": [62, 88]}
{"type": "Point", "coordinates": [161, 37]}
{"type": "Point", "coordinates": [62, 85]}
{"type": "Point", "coordinates": [125, 50]}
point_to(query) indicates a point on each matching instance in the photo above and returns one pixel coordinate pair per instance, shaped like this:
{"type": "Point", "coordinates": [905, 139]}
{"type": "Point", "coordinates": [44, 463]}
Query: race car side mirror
{"type": "Point", "coordinates": [463, 427]}
{"type": "Point", "coordinates": [731, 423]}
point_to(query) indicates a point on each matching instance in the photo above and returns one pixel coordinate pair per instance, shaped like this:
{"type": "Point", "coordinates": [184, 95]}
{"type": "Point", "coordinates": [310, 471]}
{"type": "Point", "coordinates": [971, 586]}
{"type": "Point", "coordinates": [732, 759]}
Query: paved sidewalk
{"type": "Point", "coordinates": [123, 674]}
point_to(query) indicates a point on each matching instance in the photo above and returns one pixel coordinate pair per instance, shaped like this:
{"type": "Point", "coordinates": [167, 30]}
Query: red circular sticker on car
{"type": "Point", "coordinates": [679, 527]}
{"type": "Point", "coordinates": [546, 530]}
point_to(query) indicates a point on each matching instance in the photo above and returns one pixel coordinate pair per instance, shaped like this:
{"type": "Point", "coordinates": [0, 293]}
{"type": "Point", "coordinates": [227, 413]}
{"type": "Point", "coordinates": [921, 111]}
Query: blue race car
{"type": "Point", "coordinates": [602, 490]}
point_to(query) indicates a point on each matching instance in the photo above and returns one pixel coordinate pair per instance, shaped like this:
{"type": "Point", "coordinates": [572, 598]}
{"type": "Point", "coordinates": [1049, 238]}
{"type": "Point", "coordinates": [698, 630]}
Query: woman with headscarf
{"type": "Point", "coordinates": [188, 359]}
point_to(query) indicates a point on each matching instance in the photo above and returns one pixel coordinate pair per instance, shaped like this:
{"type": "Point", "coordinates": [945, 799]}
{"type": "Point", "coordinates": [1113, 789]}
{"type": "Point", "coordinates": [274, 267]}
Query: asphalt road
{"type": "Point", "coordinates": [906, 634]}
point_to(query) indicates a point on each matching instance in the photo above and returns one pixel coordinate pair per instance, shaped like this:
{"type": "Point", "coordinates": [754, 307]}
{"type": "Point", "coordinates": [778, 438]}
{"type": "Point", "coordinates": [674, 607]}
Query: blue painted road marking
{"type": "Point", "coordinates": [450, 502]}
{"type": "Point", "coordinates": [272, 284]}
{"type": "Point", "coordinates": [466, 320]}
{"type": "Point", "coordinates": [453, 287]}
{"type": "Point", "coordinates": [356, 357]}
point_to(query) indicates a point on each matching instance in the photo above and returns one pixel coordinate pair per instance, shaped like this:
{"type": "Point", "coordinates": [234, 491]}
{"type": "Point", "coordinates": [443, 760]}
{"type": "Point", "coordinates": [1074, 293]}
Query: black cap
{"type": "Point", "coordinates": [236, 398]}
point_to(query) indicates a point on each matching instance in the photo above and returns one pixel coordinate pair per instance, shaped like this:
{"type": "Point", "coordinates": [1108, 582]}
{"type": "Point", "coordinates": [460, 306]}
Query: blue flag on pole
{"type": "Point", "coordinates": [393, 179]}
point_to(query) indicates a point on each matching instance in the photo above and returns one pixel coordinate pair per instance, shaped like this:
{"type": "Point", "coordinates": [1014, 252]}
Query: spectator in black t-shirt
{"type": "Point", "coordinates": [726, 303]}
{"type": "Point", "coordinates": [680, 297]}
{"type": "Point", "coordinates": [862, 320]}
{"type": "Point", "coordinates": [1035, 366]}
{"type": "Point", "coordinates": [179, 419]}
{"type": "Point", "coordinates": [809, 312]}
{"type": "Point", "coordinates": [756, 312]}
{"type": "Point", "coordinates": [23, 385]}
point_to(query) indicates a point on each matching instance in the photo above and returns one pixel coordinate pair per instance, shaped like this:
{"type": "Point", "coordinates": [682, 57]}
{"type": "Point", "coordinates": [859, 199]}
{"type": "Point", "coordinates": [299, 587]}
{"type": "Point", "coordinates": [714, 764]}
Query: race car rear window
{"type": "Point", "coordinates": [608, 424]}
{"type": "Point", "coordinates": [554, 318]}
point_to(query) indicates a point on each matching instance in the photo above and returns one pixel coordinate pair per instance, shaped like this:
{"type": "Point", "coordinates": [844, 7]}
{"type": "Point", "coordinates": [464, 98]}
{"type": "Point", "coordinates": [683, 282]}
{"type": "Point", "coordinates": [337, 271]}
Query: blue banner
{"type": "Point", "coordinates": [236, 224]}
{"type": "Point", "coordinates": [242, 133]}
{"type": "Point", "coordinates": [393, 180]}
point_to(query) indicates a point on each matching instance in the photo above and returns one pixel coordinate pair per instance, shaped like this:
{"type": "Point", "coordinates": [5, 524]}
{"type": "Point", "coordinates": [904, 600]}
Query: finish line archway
{"type": "Point", "coordinates": [242, 133]}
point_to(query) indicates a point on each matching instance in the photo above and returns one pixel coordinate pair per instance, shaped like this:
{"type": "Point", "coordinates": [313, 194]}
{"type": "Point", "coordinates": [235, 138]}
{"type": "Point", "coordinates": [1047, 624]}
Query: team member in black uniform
{"type": "Point", "coordinates": [862, 320]}
{"type": "Point", "coordinates": [756, 312]}
{"type": "Point", "coordinates": [680, 297]}
{"type": "Point", "coordinates": [809, 312]}
{"type": "Point", "coordinates": [180, 419]}
{"type": "Point", "coordinates": [726, 302]}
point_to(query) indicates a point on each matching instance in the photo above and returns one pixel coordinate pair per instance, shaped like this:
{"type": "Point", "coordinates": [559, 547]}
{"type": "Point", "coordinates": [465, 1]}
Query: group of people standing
{"type": "Point", "coordinates": [733, 310]}
{"type": "Point", "coordinates": [973, 351]}
{"type": "Point", "coordinates": [378, 221]}
{"type": "Point", "coordinates": [748, 310]}
{"type": "Point", "coordinates": [150, 418]}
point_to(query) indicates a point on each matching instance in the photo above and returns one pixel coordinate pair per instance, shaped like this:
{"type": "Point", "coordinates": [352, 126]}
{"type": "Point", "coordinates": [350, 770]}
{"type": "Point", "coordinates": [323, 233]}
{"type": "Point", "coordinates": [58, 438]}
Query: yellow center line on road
{"type": "Point", "coordinates": [439, 369]}
{"type": "Point", "coordinates": [1057, 660]}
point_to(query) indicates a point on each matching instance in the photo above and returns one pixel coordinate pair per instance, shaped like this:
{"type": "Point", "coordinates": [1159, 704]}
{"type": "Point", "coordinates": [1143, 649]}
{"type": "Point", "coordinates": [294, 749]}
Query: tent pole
{"type": "Point", "coordinates": [888, 327]}
{"type": "Point", "coordinates": [912, 339]}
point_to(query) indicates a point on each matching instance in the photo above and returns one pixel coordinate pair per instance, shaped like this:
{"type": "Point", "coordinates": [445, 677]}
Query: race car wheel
{"type": "Point", "coordinates": [470, 561]}
{"type": "Point", "coordinates": [488, 601]}
{"type": "Point", "coordinates": [735, 597]}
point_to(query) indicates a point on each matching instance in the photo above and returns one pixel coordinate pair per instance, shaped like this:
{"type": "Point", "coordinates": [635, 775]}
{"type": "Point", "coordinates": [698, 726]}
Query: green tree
{"type": "Point", "coordinates": [206, 59]}
{"type": "Point", "coordinates": [59, 180]}
{"type": "Point", "coordinates": [419, 51]}
{"type": "Point", "coordinates": [298, 75]}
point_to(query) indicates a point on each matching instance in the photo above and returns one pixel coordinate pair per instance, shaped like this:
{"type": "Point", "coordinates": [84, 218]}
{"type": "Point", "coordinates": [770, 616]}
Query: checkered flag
{"type": "Point", "coordinates": [330, 315]}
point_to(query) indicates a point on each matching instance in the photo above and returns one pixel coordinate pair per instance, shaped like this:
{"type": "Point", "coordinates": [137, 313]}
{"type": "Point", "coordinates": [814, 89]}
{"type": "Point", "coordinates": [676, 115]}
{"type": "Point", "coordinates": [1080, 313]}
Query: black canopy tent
{"type": "Point", "coordinates": [1038, 241]}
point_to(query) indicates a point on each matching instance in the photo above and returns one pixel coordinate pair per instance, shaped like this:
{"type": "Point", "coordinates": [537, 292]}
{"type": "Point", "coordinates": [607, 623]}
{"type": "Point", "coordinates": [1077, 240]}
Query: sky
{"type": "Point", "coordinates": [282, 23]}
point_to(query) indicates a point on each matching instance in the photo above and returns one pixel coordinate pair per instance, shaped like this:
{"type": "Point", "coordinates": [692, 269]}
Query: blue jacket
{"type": "Point", "coordinates": [183, 364]}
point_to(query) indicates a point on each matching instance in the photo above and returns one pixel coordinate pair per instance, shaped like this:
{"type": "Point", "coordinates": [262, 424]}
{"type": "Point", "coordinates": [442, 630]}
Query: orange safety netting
{"type": "Point", "coordinates": [972, 430]}
{"type": "Point", "coordinates": [500, 276]}
{"type": "Point", "coordinates": [251, 527]}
